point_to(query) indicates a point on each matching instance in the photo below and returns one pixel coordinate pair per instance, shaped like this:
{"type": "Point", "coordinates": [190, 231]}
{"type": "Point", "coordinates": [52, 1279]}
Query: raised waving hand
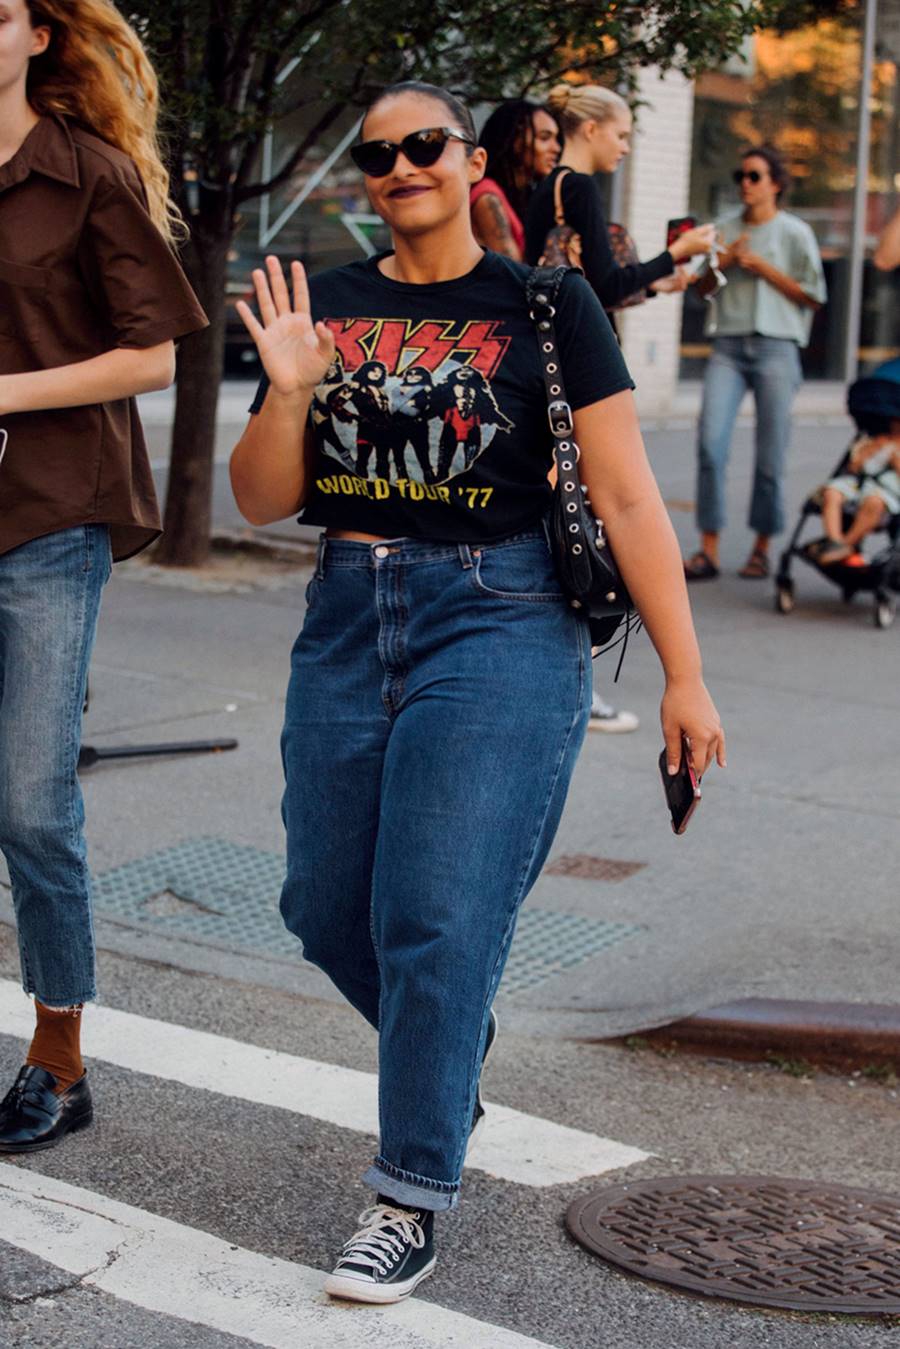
{"type": "Point", "coordinates": [295, 352]}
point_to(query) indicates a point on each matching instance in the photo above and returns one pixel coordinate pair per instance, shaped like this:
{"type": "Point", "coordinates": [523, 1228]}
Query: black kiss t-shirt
{"type": "Point", "coordinates": [431, 422]}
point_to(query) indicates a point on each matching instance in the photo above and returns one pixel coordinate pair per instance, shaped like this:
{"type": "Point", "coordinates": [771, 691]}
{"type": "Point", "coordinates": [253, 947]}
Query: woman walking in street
{"type": "Point", "coordinates": [521, 141]}
{"type": "Point", "coordinates": [596, 125]}
{"type": "Point", "coordinates": [440, 685]}
{"type": "Point", "coordinates": [762, 319]}
{"type": "Point", "coordinates": [91, 300]}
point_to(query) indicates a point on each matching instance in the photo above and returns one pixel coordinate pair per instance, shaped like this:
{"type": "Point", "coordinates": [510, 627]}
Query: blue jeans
{"type": "Point", "coordinates": [770, 366]}
{"type": "Point", "coordinates": [439, 695]}
{"type": "Point", "coordinates": [50, 593]}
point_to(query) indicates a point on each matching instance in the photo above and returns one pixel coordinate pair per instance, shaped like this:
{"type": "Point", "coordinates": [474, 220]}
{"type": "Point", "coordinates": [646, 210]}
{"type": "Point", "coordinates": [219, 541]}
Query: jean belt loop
{"type": "Point", "coordinates": [465, 557]}
{"type": "Point", "coordinates": [320, 558]}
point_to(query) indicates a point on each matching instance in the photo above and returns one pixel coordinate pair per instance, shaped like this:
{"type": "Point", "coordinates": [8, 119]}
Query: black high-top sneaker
{"type": "Point", "coordinates": [384, 1261]}
{"type": "Point", "coordinates": [479, 1112]}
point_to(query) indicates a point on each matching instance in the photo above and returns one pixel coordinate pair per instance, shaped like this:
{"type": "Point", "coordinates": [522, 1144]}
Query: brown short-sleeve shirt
{"type": "Point", "coordinates": [83, 270]}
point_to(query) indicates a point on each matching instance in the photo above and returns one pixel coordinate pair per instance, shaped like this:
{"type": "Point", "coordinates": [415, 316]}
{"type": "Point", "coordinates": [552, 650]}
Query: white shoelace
{"type": "Point", "coordinates": [377, 1247]}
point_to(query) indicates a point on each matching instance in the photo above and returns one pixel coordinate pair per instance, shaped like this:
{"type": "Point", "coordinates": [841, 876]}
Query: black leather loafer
{"type": "Point", "coordinates": [33, 1117]}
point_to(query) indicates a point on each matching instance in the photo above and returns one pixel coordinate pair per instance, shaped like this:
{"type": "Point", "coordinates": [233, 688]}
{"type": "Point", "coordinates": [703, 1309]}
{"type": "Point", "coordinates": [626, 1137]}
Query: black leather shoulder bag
{"type": "Point", "coordinates": [584, 559]}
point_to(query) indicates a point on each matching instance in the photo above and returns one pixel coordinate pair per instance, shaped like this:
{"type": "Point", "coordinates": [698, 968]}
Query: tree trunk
{"type": "Point", "coordinates": [188, 511]}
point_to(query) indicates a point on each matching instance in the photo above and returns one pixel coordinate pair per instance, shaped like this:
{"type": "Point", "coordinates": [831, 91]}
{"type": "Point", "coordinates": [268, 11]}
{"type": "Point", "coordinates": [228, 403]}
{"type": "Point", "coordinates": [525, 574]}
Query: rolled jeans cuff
{"type": "Point", "coordinates": [408, 1188]}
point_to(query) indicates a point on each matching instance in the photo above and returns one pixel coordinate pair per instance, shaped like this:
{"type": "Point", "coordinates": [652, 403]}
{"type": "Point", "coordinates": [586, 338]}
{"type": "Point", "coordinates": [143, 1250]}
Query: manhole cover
{"type": "Point", "coordinates": [589, 868]}
{"type": "Point", "coordinates": [798, 1244]}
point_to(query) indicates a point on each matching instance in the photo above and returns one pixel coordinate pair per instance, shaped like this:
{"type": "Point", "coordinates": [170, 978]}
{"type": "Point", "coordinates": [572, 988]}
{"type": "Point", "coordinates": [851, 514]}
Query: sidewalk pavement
{"type": "Point", "coordinates": [783, 887]}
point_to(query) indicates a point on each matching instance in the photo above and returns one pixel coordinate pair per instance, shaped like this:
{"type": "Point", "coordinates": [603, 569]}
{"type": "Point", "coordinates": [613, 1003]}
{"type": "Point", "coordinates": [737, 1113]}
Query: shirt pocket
{"type": "Point", "coordinates": [23, 295]}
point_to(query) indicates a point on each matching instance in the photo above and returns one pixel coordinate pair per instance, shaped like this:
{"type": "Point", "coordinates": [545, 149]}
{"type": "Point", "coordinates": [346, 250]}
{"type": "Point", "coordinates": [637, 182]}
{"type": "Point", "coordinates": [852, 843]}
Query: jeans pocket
{"type": "Point", "coordinates": [517, 571]}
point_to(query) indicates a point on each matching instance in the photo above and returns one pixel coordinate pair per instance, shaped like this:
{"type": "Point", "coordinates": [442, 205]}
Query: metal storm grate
{"type": "Point", "coordinates": [802, 1245]}
{"type": "Point", "coordinates": [226, 894]}
{"type": "Point", "coordinates": [589, 868]}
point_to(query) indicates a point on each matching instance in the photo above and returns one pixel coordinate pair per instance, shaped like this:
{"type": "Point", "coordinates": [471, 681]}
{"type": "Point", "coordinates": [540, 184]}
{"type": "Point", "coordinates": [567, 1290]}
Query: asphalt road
{"type": "Point", "coordinates": [784, 885]}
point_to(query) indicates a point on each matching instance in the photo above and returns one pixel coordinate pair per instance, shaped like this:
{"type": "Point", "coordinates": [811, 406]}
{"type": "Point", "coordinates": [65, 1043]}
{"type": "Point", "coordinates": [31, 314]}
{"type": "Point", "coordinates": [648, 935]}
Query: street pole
{"type": "Point", "coordinates": [857, 253]}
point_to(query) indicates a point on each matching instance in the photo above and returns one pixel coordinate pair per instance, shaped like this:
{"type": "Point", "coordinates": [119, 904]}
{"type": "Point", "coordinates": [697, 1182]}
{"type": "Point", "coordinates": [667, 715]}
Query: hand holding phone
{"type": "Point", "coordinates": [682, 789]}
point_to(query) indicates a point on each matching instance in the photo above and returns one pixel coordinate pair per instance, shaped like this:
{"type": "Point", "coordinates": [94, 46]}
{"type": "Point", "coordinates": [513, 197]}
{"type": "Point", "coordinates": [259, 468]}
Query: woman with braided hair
{"type": "Point", "coordinates": [522, 143]}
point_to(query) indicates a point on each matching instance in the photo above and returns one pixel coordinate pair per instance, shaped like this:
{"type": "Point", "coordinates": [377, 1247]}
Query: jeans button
{"type": "Point", "coordinates": [381, 551]}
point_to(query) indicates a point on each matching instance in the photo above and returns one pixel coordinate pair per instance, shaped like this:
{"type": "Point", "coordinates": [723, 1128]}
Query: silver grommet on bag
{"type": "Point", "coordinates": [576, 604]}
{"type": "Point", "coordinates": [567, 465]}
{"type": "Point", "coordinates": [563, 444]}
{"type": "Point", "coordinates": [569, 486]}
{"type": "Point", "coordinates": [571, 507]}
{"type": "Point", "coordinates": [542, 299]}
{"type": "Point", "coordinates": [554, 388]}
{"type": "Point", "coordinates": [610, 595]}
{"type": "Point", "coordinates": [548, 346]}
{"type": "Point", "coordinates": [576, 547]}
{"type": "Point", "coordinates": [551, 367]}
{"type": "Point", "coordinates": [574, 529]}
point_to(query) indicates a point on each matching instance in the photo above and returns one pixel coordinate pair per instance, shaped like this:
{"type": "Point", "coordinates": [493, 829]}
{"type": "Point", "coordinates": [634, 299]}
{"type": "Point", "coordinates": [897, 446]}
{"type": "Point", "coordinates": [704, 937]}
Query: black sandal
{"type": "Point", "coordinates": [756, 568]}
{"type": "Point", "coordinates": [700, 567]}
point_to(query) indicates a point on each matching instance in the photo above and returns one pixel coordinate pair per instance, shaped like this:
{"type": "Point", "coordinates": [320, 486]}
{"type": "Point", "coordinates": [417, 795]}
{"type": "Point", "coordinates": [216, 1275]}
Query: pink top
{"type": "Point", "coordinates": [516, 227]}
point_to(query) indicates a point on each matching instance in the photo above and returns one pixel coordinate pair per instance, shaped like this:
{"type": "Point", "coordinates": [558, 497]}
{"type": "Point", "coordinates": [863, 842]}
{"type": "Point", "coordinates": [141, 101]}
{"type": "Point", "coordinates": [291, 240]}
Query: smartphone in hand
{"type": "Point", "coordinates": [682, 789]}
{"type": "Point", "coordinates": [680, 225]}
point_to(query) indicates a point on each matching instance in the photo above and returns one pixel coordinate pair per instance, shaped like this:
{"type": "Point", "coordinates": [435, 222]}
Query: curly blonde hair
{"type": "Point", "coordinates": [577, 103]}
{"type": "Point", "coordinates": [96, 71]}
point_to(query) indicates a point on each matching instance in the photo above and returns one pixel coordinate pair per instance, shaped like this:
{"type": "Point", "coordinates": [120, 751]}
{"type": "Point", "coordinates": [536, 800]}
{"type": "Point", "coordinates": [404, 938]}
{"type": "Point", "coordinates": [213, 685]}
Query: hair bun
{"type": "Point", "coordinates": [558, 97]}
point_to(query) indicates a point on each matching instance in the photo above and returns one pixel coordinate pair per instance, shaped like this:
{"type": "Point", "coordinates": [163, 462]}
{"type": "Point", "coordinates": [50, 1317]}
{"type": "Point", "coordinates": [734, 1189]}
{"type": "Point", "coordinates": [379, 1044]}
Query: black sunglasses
{"type": "Point", "coordinates": [753, 174]}
{"type": "Point", "coordinates": [421, 148]}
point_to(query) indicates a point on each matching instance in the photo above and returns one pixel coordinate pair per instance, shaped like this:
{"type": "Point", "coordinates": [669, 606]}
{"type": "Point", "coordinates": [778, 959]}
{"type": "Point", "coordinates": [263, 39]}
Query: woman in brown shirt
{"type": "Point", "coordinates": [91, 301]}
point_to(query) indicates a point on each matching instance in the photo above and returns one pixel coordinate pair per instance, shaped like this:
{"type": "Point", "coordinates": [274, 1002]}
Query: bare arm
{"type": "Point", "coordinates": [269, 464]}
{"type": "Point", "coordinates": [887, 253]}
{"type": "Point", "coordinates": [623, 492]}
{"type": "Point", "coordinates": [757, 266]}
{"type": "Point", "coordinates": [101, 379]}
{"type": "Point", "coordinates": [491, 228]}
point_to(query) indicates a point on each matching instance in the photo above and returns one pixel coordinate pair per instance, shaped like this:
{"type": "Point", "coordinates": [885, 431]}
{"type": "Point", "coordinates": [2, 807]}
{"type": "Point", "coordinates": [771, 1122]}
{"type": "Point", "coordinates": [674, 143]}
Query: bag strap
{"type": "Point", "coordinates": [559, 214]}
{"type": "Point", "coordinates": [542, 290]}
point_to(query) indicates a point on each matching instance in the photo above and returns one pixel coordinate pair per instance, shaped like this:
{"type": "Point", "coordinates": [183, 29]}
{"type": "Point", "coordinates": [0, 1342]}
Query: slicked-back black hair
{"type": "Point", "coordinates": [459, 113]}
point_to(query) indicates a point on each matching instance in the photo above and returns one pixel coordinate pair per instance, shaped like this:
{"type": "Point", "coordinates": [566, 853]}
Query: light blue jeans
{"type": "Point", "coordinates": [50, 593]}
{"type": "Point", "coordinates": [770, 366]}
{"type": "Point", "coordinates": [439, 695]}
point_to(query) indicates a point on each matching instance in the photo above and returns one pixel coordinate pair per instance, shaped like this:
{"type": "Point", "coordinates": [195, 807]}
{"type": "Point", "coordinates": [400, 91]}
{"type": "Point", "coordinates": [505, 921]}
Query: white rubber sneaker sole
{"type": "Point", "coordinates": [352, 1288]}
{"type": "Point", "coordinates": [619, 725]}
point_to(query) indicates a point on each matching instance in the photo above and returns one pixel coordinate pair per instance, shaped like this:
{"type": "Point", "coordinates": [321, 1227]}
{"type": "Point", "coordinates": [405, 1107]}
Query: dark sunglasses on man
{"type": "Point", "coordinates": [753, 175]}
{"type": "Point", "coordinates": [422, 148]}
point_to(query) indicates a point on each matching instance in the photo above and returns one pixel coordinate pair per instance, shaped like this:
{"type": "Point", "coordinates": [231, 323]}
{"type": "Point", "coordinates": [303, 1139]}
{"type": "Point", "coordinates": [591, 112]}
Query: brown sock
{"type": "Point", "coordinates": [57, 1044]}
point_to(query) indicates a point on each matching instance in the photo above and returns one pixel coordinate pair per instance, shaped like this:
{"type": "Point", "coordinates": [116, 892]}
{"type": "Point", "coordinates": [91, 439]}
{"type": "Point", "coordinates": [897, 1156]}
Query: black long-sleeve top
{"type": "Point", "coordinates": [583, 207]}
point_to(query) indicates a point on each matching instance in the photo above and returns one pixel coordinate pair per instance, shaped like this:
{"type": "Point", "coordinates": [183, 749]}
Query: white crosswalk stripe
{"type": "Point", "coordinates": [166, 1267]}
{"type": "Point", "coordinates": [517, 1147]}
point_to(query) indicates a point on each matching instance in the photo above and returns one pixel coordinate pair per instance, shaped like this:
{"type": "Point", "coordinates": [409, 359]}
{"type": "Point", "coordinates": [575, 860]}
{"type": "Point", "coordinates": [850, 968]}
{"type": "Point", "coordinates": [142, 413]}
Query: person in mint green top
{"type": "Point", "coordinates": [758, 322]}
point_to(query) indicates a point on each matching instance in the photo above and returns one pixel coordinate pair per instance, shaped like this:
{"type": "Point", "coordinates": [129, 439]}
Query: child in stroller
{"type": "Point", "coordinates": [861, 498]}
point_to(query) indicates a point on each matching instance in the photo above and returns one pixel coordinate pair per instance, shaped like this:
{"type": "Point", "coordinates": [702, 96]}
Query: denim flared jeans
{"type": "Point", "coordinates": [770, 366]}
{"type": "Point", "coordinates": [50, 593]}
{"type": "Point", "coordinates": [439, 695]}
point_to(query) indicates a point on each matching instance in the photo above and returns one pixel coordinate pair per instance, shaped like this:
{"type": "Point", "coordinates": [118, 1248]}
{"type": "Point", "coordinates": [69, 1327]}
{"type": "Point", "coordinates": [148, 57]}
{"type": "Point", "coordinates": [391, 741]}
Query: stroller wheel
{"type": "Point", "coordinates": [784, 597]}
{"type": "Point", "coordinates": [885, 610]}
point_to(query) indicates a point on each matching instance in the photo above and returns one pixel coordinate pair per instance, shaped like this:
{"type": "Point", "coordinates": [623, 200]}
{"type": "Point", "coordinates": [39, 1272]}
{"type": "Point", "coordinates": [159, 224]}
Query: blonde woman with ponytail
{"type": "Point", "coordinates": [596, 126]}
{"type": "Point", "coordinates": [92, 300]}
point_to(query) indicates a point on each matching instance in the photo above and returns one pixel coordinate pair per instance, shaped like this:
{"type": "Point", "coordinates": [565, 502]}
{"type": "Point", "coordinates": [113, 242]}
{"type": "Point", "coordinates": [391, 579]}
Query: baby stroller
{"type": "Point", "coordinates": [872, 402]}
